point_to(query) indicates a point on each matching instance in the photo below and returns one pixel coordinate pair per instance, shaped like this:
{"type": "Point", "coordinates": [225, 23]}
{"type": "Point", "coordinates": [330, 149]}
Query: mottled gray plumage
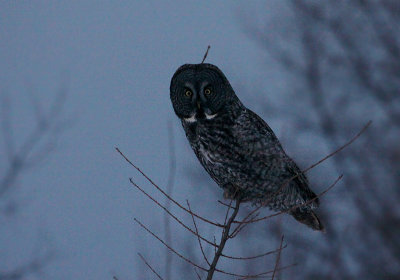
{"type": "Point", "coordinates": [235, 146]}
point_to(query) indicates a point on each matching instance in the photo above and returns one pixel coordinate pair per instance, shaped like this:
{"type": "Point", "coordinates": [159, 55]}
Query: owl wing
{"type": "Point", "coordinates": [266, 159]}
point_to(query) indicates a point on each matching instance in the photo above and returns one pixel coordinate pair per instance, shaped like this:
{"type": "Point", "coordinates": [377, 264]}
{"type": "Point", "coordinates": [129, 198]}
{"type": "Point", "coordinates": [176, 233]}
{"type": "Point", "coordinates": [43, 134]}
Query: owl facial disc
{"type": "Point", "coordinates": [200, 92]}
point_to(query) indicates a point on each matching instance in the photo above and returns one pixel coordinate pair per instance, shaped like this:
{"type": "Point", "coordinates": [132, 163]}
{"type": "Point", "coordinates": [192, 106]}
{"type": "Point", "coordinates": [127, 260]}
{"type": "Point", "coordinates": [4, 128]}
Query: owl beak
{"type": "Point", "coordinates": [198, 104]}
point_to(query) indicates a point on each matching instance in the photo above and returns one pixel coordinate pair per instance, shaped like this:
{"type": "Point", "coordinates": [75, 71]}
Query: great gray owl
{"type": "Point", "coordinates": [236, 147]}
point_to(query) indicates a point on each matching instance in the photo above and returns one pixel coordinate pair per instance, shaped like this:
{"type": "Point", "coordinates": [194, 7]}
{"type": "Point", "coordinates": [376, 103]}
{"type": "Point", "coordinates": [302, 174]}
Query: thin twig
{"type": "Point", "coordinates": [169, 189]}
{"type": "Point", "coordinates": [169, 247]}
{"type": "Point", "coordinates": [165, 194]}
{"type": "Point", "coordinates": [227, 212]}
{"type": "Point", "coordinates": [172, 215]}
{"type": "Point", "coordinates": [263, 274]}
{"type": "Point", "coordinates": [340, 148]}
{"type": "Point", "coordinates": [225, 204]}
{"type": "Point", "coordinates": [200, 267]}
{"type": "Point", "coordinates": [149, 266]}
{"type": "Point", "coordinates": [198, 275]}
{"type": "Point", "coordinates": [215, 247]}
{"type": "Point", "coordinates": [197, 231]}
{"type": "Point", "coordinates": [277, 259]}
{"type": "Point", "coordinates": [205, 55]}
{"type": "Point", "coordinates": [242, 226]}
{"type": "Point", "coordinates": [255, 257]}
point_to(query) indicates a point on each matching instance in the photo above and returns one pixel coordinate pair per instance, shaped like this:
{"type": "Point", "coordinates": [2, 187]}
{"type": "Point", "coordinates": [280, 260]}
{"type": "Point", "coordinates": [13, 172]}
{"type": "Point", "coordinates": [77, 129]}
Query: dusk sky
{"type": "Point", "coordinates": [93, 76]}
{"type": "Point", "coordinates": [81, 78]}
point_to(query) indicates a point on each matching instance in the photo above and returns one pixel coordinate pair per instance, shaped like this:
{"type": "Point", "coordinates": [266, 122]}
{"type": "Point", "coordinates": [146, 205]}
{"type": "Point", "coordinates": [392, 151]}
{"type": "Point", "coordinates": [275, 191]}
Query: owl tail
{"type": "Point", "coordinates": [308, 218]}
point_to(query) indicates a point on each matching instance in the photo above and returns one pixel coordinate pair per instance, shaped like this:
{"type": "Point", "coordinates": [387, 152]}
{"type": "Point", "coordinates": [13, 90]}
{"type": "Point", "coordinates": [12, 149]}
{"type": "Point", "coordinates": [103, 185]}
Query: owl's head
{"type": "Point", "coordinates": [200, 91]}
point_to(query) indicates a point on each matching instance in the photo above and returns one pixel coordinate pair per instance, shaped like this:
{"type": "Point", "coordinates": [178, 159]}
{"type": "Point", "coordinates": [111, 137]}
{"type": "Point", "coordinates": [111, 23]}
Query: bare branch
{"type": "Point", "coordinates": [165, 194]}
{"type": "Point", "coordinates": [205, 55]}
{"type": "Point", "coordinates": [169, 189]}
{"type": "Point", "coordinates": [169, 247]}
{"type": "Point", "coordinates": [263, 274]}
{"type": "Point", "coordinates": [172, 215]}
{"type": "Point", "coordinates": [215, 247]}
{"type": "Point", "coordinates": [197, 231]}
{"type": "Point", "coordinates": [277, 259]}
{"type": "Point", "coordinates": [149, 266]}
{"type": "Point", "coordinates": [198, 275]}
{"type": "Point", "coordinates": [213, 268]}
{"type": "Point", "coordinates": [241, 226]}
{"type": "Point", "coordinates": [256, 256]}
{"type": "Point", "coordinates": [225, 204]}
{"type": "Point", "coordinates": [227, 212]}
{"type": "Point", "coordinates": [340, 148]}
{"type": "Point", "coordinates": [224, 238]}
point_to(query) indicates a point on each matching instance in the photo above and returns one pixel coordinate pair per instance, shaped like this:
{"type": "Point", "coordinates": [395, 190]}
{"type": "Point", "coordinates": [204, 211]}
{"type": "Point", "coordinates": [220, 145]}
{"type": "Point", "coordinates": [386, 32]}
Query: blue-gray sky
{"type": "Point", "coordinates": [114, 61]}
{"type": "Point", "coordinates": [115, 58]}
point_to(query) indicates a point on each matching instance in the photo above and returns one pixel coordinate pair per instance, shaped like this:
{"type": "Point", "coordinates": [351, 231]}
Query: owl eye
{"type": "Point", "coordinates": [207, 91]}
{"type": "Point", "coordinates": [188, 93]}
